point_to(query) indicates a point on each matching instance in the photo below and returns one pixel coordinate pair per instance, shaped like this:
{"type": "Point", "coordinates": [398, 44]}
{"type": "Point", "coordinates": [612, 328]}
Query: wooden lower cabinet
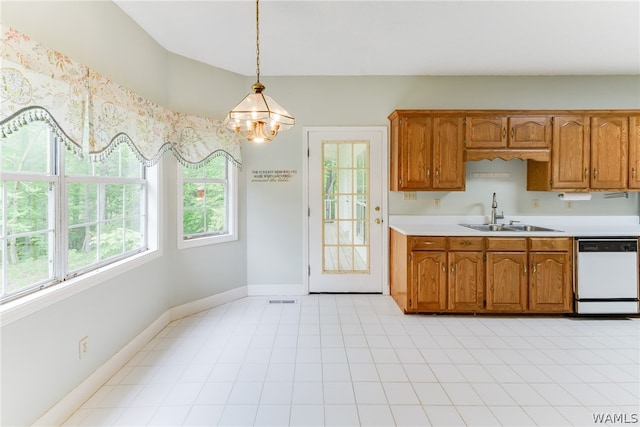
{"type": "Point", "coordinates": [429, 280]}
{"type": "Point", "coordinates": [550, 275]}
{"type": "Point", "coordinates": [481, 274]}
{"type": "Point", "coordinates": [466, 281]}
{"type": "Point", "coordinates": [507, 281]}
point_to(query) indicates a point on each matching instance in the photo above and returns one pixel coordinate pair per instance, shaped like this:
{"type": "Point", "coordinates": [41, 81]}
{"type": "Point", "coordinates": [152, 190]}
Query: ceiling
{"type": "Point", "coordinates": [394, 37]}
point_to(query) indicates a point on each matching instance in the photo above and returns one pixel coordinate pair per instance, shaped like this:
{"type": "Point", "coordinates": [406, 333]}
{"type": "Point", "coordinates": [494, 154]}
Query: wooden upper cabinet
{"type": "Point", "coordinates": [566, 150]}
{"type": "Point", "coordinates": [411, 152]}
{"type": "Point", "coordinates": [570, 153]}
{"type": "Point", "coordinates": [529, 132]}
{"type": "Point", "coordinates": [448, 153]}
{"type": "Point", "coordinates": [634, 152]}
{"type": "Point", "coordinates": [486, 132]}
{"type": "Point", "coordinates": [416, 152]}
{"type": "Point", "coordinates": [609, 150]}
{"type": "Point", "coordinates": [427, 152]}
{"type": "Point", "coordinates": [516, 132]}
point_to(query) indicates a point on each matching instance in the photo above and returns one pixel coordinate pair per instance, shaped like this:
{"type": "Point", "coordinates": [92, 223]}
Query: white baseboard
{"type": "Point", "coordinates": [216, 300]}
{"type": "Point", "coordinates": [72, 401]}
{"type": "Point", "coordinates": [262, 290]}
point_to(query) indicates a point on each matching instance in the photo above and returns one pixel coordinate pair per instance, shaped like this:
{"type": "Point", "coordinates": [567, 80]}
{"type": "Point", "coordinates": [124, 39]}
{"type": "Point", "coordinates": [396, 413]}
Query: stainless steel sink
{"type": "Point", "coordinates": [525, 227]}
{"type": "Point", "coordinates": [487, 227]}
{"type": "Point", "coordinates": [510, 227]}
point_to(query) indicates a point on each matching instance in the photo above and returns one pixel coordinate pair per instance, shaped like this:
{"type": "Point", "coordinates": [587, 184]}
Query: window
{"type": "Point", "coordinates": [208, 213]}
{"type": "Point", "coordinates": [62, 216]}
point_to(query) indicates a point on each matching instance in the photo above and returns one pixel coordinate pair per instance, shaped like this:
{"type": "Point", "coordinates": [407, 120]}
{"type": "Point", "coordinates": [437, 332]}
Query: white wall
{"type": "Point", "coordinates": [39, 352]}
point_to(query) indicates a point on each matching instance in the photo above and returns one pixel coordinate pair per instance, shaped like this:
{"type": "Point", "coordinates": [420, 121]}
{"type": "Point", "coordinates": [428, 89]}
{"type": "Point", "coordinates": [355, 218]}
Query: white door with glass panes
{"type": "Point", "coordinates": [346, 207]}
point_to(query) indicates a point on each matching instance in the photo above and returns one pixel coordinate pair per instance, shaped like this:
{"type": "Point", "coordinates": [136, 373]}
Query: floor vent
{"type": "Point", "coordinates": [282, 301]}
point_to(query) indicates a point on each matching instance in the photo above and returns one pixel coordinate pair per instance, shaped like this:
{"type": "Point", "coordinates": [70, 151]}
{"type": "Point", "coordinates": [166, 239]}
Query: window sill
{"type": "Point", "coordinates": [204, 241]}
{"type": "Point", "coordinates": [29, 304]}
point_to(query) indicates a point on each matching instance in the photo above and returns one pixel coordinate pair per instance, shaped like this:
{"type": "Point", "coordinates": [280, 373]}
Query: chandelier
{"type": "Point", "coordinates": [258, 118]}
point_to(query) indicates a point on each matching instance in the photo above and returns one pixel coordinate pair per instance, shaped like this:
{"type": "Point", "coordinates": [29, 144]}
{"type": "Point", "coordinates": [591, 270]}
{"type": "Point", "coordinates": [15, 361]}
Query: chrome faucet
{"type": "Point", "coordinates": [494, 214]}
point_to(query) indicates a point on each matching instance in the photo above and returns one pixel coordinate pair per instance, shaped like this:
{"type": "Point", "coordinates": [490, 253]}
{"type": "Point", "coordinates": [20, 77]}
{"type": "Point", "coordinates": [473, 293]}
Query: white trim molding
{"type": "Point", "coordinates": [384, 186]}
{"type": "Point", "coordinates": [202, 304]}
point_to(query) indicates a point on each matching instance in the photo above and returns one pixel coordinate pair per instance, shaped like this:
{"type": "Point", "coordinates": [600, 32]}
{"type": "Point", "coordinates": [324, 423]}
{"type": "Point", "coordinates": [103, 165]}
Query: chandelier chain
{"type": "Point", "coordinates": [257, 41]}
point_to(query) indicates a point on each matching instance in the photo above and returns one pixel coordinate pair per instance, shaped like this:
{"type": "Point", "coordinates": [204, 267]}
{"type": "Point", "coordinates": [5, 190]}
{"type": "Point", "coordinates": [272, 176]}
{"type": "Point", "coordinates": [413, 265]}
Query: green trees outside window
{"type": "Point", "coordinates": [60, 215]}
{"type": "Point", "coordinates": [205, 199]}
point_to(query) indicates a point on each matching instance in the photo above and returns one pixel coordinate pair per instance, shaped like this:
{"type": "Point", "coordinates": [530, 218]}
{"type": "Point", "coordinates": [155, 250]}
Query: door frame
{"type": "Point", "coordinates": [384, 188]}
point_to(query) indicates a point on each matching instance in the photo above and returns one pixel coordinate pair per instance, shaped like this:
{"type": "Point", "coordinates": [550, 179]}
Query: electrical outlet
{"type": "Point", "coordinates": [568, 205]}
{"type": "Point", "coordinates": [83, 347]}
{"type": "Point", "coordinates": [535, 203]}
{"type": "Point", "coordinates": [410, 195]}
{"type": "Point", "coordinates": [436, 203]}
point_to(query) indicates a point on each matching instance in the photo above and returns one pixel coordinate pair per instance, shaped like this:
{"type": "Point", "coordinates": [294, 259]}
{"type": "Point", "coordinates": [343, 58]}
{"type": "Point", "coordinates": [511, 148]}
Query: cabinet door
{"type": "Point", "coordinates": [466, 281]}
{"type": "Point", "coordinates": [486, 132]}
{"type": "Point", "coordinates": [415, 152]}
{"type": "Point", "coordinates": [570, 153]}
{"type": "Point", "coordinates": [506, 281]}
{"type": "Point", "coordinates": [634, 152]}
{"type": "Point", "coordinates": [529, 132]}
{"type": "Point", "coordinates": [609, 151]}
{"type": "Point", "coordinates": [550, 286]}
{"type": "Point", "coordinates": [429, 281]}
{"type": "Point", "coordinates": [448, 153]}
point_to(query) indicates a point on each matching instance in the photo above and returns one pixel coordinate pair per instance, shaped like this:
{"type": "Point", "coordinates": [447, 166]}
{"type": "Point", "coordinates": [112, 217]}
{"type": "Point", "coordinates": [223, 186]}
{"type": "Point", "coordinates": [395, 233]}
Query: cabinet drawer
{"type": "Point", "coordinates": [428, 243]}
{"type": "Point", "coordinates": [466, 243]}
{"type": "Point", "coordinates": [550, 244]}
{"type": "Point", "coordinates": [506, 244]}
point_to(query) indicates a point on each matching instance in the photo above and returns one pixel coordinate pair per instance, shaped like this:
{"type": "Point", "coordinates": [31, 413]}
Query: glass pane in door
{"type": "Point", "coordinates": [345, 217]}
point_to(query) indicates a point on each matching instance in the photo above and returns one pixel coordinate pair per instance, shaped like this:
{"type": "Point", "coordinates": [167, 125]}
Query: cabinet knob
{"type": "Point", "coordinates": [437, 172]}
{"type": "Point", "coordinates": [513, 133]}
{"type": "Point", "coordinates": [595, 173]}
{"type": "Point", "coordinates": [428, 172]}
{"type": "Point", "coordinates": [444, 269]}
{"type": "Point", "coordinates": [586, 173]}
{"type": "Point", "coordinates": [534, 268]}
{"type": "Point", "coordinates": [633, 172]}
{"type": "Point", "coordinates": [453, 269]}
{"type": "Point", "coordinates": [525, 269]}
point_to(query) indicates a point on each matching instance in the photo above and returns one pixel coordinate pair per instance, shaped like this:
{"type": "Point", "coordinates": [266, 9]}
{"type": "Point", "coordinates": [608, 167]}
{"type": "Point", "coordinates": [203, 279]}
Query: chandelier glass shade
{"type": "Point", "coordinates": [258, 118]}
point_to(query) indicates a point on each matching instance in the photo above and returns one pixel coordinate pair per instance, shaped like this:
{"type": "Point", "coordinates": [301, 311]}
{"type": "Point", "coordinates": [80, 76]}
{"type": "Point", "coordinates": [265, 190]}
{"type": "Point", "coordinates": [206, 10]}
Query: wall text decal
{"type": "Point", "coordinates": [273, 175]}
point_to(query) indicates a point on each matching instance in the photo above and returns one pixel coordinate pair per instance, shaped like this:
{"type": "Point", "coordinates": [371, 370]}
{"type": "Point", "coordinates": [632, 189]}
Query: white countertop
{"type": "Point", "coordinates": [567, 226]}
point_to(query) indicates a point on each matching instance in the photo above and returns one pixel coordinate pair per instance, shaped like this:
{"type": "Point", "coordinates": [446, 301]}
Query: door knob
{"type": "Point", "coordinates": [377, 208]}
{"type": "Point", "coordinates": [378, 220]}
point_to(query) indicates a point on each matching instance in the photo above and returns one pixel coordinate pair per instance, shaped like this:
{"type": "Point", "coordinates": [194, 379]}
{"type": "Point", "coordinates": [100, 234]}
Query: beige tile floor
{"type": "Point", "coordinates": [349, 360]}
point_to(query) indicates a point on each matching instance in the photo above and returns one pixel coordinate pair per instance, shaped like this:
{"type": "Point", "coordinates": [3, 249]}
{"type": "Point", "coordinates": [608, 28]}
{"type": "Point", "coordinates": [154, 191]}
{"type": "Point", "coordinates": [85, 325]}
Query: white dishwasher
{"type": "Point", "coordinates": [607, 276]}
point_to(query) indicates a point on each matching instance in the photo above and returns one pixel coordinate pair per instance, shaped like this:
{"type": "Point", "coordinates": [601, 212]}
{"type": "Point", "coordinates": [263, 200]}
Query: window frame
{"type": "Point", "coordinates": [231, 211]}
{"type": "Point", "coordinates": [64, 283]}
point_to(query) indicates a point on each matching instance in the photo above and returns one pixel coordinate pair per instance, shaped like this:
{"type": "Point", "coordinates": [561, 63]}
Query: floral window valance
{"type": "Point", "coordinates": [92, 114]}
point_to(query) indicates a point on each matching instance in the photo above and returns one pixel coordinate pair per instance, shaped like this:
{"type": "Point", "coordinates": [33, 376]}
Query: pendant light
{"type": "Point", "coordinates": [258, 118]}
